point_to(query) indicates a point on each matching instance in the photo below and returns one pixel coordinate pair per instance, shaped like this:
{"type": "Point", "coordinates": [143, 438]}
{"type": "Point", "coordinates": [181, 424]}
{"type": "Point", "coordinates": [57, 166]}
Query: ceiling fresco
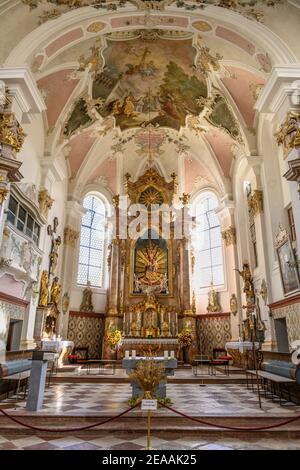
{"type": "Point", "coordinates": [149, 82]}
{"type": "Point", "coordinates": [158, 81]}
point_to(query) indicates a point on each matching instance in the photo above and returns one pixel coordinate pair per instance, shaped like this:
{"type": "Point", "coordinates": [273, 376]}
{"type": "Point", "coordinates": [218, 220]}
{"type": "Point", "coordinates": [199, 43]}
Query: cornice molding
{"type": "Point", "coordinates": [22, 86]}
{"type": "Point", "coordinates": [278, 87]}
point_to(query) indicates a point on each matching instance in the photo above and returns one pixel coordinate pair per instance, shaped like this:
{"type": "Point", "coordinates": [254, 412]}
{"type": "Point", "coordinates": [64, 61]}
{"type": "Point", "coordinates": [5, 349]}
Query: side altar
{"type": "Point", "coordinates": [150, 293]}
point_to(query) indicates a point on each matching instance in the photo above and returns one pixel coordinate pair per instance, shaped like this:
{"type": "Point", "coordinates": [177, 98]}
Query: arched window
{"type": "Point", "coordinates": [91, 249]}
{"type": "Point", "coordinates": [208, 243]}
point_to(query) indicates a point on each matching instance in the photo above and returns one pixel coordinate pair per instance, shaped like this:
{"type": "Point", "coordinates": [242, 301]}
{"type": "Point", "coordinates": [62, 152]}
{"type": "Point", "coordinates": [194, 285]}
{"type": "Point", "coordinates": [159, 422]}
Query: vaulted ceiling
{"type": "Point", "coordinates": [176, 82]}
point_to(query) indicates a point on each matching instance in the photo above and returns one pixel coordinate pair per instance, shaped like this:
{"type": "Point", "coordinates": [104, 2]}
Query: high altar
{"type": "Point", "coordinates": [149, 295]}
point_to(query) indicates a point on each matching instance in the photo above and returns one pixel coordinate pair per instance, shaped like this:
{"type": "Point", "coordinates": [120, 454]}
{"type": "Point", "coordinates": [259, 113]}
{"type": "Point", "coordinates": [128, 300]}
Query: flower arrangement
{"type": "Point", "coordinates": [113, 336]}
{"type": "Point", "coordinates": [185, 338]}
{"type": "Point", "coordinates": [148, 374]}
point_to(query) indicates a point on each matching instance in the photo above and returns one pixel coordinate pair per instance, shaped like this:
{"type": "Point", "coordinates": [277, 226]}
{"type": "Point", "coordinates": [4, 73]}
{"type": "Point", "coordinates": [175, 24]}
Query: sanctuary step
{"type": "Point", "coordinates": [138, 423]}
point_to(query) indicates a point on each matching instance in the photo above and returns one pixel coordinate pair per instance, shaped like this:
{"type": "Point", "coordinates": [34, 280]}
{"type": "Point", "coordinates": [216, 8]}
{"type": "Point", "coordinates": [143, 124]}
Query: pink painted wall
{"type": "Point", "coordinates": [63, 40]}
{"type": "Point", "coordinates": [80, 146]}
{"type": "Point", "coordinates": [58, 89]}
{"type": "Point", "coordinates": [192, 170]}
{"type": "Point", "coordinates": [221, 143]}
{"type": "Point", "coordinates": [236, 39]}
{"type": "Point", "coordinates": [107, 169]}
{"type": "Point", "coordinates": [241, 89]}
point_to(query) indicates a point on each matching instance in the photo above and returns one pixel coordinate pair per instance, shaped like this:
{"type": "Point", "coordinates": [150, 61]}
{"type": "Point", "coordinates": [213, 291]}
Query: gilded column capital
{"type": "Point", "coordinates": [70, 236]}
{"type": "Point", "coordinates": [3, 193]}
{"type": "Point", "coordinates": [116, 200]}
{"type": "Point", "coordinates": [288, 134]}
{"type": "Point", "coordinates": [229, 235]}
{"type": "Point", "coordinates": [255, 202]}
{"type": "Point", "coordinates": [45, 202]}
{"type": "Point", "coordinates": [11, 132]}
{"type": "Point", "coordinates": [185, 198]}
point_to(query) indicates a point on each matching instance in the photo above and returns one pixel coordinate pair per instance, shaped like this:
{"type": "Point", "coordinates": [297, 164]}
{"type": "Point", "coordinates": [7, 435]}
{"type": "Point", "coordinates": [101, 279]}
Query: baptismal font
{"type": "Point", "coordinates": [149, 297]}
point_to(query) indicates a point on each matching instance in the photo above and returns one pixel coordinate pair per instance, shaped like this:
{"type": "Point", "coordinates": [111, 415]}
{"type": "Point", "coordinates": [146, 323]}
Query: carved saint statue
{"type": "Point", "coordinates": [87, 303]}
{"type": "Point", "coordinates": [233, 304]}
{"type": "Point", "coordinates": [56, 242]}
{"type": "Point", "coordinates": [164, 284]}
{"type": "Point", "coordinates": [55, 292]}
{"type": "Point", "coordinates": [43, 299]}
{"type": "Point", "coordinates": [137, 284]}
{"type": "Point", "coordinates": [213, 302]}
{"type": "Point", "coordinates": [248, 288]}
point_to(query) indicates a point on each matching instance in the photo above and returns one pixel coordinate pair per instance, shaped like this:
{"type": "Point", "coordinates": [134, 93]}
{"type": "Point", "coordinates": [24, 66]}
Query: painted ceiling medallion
{"type": "Point", "coordinates": [202, 26]}
{"type": "Point", "coordinates": [95, 27]}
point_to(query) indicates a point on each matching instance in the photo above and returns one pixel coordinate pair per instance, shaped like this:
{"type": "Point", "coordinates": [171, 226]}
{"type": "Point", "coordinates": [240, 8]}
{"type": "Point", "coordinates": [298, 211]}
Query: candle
{"type": "Point", "coordinates": [133, 352]}
{"type": "Point", "coordinates": [172, 354]}
{"type": "Point", "coordinates": [127, 354]}
{"type": "Point", "coordinates": [166, 354]}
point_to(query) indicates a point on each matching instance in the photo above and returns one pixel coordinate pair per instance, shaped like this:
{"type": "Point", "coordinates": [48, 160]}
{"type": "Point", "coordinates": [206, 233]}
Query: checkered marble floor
{"type": "Point", "coordinates": [192, 399]}
{"type": "Point", "coordinates": [137, 441]}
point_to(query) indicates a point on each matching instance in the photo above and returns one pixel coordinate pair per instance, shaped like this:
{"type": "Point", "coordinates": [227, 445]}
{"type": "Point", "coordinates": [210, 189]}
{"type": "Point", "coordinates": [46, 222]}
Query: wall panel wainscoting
{"type": "Point", "coordinates": [86, 329]}
{"type": "Point", "coordinates": [213, 331]}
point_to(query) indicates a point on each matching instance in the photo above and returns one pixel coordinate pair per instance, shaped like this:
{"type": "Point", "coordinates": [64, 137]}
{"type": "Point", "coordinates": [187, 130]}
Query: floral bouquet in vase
{"type": "Point", "coordinates": [185, 340]}
{"type": "Point", "coordinates": [113, 337]}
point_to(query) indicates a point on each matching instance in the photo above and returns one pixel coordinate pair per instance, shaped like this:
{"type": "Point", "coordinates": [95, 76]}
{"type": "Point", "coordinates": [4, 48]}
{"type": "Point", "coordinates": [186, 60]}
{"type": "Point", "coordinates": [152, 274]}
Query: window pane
{"type": "Point", "coordinates": [86, 219]}
{"type": "Point", "coordinates": [22, 214]}
{"type": "Point", "coordinates": [13, 205]}
{"type": "Point", "coordinates": [205, 277]}
{"type": "Point", "coordinates": [213, 219]}
{"type": "Point", "coordinates": [85, 236]}
{"type": "Point", "coordinates": [92, 242]}
{"type": "Point", "coordinates": [218, 275]}
{"type": "Point", "coordinates": [84, 255]}
{"type": "Point", "coordinates": [82, 274]}
{"type": "Point", "coordinates": [208, 243]}
{"type": "Point", "coordinates": [215, 237]}
{"type": "Point", "coordinates": [204, 258]}
{"type": "Point", "coordinates": [96, 258]}
{"type": "Point", "coordinates": [95, 276]}
{"type": "Point", "coordinates": [216, 256]}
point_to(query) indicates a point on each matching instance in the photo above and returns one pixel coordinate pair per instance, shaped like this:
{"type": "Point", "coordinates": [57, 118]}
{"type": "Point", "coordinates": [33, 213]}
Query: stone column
{"type": "Point", "coordinates": [228, 230]}
{"type": "Point", "coordinates": [74, 213]}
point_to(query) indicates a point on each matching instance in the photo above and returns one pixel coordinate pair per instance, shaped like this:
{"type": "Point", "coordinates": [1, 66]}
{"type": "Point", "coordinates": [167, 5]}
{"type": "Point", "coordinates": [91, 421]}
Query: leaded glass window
{"type": "Point", "coordinates": [91, 248]}
{"type": "Point", "coordinates": [208, 243]}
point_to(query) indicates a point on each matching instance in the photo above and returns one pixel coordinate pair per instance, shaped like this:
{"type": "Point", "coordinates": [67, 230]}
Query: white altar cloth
{"type": "Point", "coordinates": [241, 345]}
{"type": "Point", "coordinates": [58, 346]}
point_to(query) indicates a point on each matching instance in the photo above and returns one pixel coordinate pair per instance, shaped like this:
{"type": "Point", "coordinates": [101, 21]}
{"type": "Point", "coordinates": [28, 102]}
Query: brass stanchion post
{"type": "Point", "coordinates": [149, 431]}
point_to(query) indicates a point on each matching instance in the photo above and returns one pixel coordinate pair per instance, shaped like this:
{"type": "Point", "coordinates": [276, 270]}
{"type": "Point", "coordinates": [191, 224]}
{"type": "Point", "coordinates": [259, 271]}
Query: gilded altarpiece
{"type": "Point", "coordinates": [149, 296]}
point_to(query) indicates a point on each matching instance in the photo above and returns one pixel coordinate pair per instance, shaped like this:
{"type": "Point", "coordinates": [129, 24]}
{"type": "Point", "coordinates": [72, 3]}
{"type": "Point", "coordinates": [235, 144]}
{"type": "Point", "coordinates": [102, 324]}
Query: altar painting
{"type": "Point", "coordinates": [150, 265]}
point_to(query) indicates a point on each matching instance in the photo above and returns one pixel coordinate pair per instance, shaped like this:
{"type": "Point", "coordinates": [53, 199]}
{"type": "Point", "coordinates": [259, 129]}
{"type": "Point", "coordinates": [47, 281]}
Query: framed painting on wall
{"type": "Point", "coordinates": [288, 265]}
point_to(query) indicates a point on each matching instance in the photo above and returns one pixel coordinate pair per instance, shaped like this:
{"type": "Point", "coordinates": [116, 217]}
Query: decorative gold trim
{"type": "Point", "coordinates": [11, 133]}
{"type": "Point", "coordinates": [70, 236]}
{"type": "Point", "coordinates": [3, 194]}
{"type": "Point", "coordinates": [45, 202]}
{"type": "Point", "coordinates": [281, 236]}
{"type": "Point", "coordinates": [185, 198]}
{"type": "Point", "coordinates": [229, 236]}
{"type": "Point", "coordinates": [288, 134]}
{"type": "Point", "coordinates": [255, 202]}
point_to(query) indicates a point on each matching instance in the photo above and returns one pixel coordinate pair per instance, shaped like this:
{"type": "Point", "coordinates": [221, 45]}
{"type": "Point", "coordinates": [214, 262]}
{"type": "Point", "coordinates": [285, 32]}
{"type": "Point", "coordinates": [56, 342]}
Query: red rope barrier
{"type": "Point", "coordinates": [83, 428]}
{"type": "Point", "coordinates": [191, 418]}
{"type": "Point", "coordinates": [232, 428]}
